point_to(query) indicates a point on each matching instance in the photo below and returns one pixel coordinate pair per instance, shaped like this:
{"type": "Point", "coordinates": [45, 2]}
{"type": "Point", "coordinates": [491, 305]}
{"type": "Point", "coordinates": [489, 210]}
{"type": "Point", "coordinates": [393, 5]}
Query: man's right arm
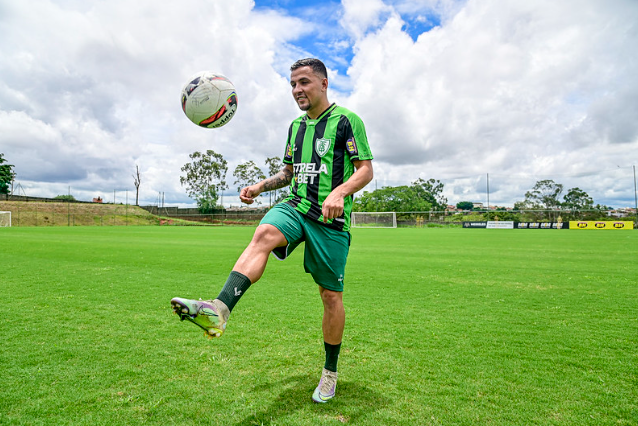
{"type": "Point", "coordinates": [280, 180]}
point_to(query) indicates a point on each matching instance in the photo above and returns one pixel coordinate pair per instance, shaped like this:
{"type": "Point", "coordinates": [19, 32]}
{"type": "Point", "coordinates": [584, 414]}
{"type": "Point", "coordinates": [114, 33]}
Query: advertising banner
{"type": "Point", "coordinates": [601, 224]}
{"type": "Point", "coordinates": [506, 224]}
{"type": "Point", "coordinates": [481, 225]}
{"type": "Point", "coordinates": [542, 225]}
{"type": "Point", "coordinates": [500, 224]}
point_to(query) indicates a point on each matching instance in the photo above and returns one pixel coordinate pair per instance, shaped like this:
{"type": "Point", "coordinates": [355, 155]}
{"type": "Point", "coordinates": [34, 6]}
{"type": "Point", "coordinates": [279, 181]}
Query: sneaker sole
{"type": "Point", "coordinates": [183, 312]}
{"type": "Point", "coordinates": [321, 400]}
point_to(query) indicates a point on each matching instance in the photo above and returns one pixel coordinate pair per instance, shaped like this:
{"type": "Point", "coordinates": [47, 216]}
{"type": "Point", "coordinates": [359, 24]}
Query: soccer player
{"type": "Point", "coordinates": [327, 159]}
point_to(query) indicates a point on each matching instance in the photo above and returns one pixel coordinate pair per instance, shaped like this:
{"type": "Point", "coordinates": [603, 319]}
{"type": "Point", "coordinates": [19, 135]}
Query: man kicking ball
{"type": "Point", "coordinates": [327, 159]}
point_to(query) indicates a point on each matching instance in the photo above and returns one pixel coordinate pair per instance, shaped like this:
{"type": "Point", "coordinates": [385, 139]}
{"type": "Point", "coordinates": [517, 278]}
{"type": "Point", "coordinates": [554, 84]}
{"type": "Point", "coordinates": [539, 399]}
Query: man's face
{"type": "Point", "coordinates": [308, 88]}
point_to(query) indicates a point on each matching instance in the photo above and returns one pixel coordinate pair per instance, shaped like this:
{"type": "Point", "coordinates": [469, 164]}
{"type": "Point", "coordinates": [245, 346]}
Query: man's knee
{"type": "Point", "coordinates": [268, 237]}
{"type": "Point", "coordinates": [331, 298]}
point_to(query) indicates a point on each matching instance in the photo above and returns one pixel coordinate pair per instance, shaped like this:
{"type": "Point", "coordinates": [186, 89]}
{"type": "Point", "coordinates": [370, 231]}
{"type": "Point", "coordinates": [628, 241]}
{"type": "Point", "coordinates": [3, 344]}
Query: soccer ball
{"type": "Point", "coordinates": [209, 99]}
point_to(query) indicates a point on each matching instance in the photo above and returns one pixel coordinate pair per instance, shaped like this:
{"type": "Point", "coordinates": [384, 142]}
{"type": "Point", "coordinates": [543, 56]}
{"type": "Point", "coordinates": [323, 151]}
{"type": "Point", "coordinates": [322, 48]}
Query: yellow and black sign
{"type": "Point", "coordinates": [601, 224]}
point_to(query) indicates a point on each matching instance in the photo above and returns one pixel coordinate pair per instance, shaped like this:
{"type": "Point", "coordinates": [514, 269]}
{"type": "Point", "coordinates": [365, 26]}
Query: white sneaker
{"type": "Point", "coordinates": [327, 387]}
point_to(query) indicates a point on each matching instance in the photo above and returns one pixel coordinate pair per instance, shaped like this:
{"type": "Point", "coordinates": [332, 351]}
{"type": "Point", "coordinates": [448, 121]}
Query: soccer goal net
{"type": "Point", "coordinates": [374, 220]}
{"type": "Point", "coordinates": [5, 219]}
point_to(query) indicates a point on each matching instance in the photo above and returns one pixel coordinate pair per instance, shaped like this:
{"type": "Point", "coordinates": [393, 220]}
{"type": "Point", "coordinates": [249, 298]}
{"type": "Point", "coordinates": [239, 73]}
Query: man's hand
{"type": "Point", "coordinates": [284, 177]}
{"type": "Point", "coordinates": [249, 193]}
{"type": "Point", "coordinates": [332, 206]}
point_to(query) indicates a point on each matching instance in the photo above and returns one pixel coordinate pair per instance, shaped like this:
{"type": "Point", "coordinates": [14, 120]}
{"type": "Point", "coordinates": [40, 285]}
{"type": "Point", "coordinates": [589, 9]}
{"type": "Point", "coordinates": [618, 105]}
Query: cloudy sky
{"type": "Point", "coordinates": [455, 90]}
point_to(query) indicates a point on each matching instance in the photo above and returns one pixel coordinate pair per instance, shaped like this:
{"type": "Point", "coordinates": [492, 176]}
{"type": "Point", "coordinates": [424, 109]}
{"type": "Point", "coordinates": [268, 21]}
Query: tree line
{"type": "Point", "coordinates": [542, 202]}
{"type": "Point", "coordinates": [204, 179]}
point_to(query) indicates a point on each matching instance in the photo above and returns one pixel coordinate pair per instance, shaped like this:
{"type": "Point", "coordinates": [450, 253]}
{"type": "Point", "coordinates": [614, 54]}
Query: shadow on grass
{"type": "Point", "coordinates": [352, 404]}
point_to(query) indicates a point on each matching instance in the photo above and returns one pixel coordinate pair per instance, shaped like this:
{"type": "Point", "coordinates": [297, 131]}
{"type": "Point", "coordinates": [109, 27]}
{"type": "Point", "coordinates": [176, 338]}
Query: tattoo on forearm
{"type": "Point", "coordinates": [281, 179]}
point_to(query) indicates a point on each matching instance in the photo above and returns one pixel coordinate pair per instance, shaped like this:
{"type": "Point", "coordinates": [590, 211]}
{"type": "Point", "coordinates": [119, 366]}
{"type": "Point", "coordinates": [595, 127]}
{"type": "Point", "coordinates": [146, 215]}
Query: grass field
{"type": "Point", "coordinates": [444, 326]}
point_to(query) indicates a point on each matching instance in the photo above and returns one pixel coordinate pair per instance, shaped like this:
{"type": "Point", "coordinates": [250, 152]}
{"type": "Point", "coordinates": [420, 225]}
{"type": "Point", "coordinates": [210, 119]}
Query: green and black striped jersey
{"type": "Point", "coordinates": [321, 152]}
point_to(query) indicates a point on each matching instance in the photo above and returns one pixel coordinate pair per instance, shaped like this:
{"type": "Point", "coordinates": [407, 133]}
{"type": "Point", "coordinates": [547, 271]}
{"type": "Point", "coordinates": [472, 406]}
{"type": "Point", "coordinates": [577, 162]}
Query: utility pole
{"type": "Point", "coordinates": [488, 191]}
{"type": "Point", "coordinates": [635, 194]}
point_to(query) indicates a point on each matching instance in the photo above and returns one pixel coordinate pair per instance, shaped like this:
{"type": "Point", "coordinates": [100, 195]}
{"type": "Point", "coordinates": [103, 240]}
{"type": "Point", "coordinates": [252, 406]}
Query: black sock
{"type": "Point", "coordinates": [235, 287]}
{"type": "Point", "coordinates": [332, 356]}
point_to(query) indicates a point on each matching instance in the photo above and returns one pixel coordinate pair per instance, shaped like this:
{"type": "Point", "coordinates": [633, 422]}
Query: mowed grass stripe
{"type": "Point", "coordinates": [444, 326]}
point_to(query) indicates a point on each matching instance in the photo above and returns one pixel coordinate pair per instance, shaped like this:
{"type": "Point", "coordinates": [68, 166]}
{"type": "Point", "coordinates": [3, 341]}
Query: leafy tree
{"type": "Point", "coordinates": [603, 208]}
{"type": "Point", "coordinates": [544, 195]}
{"type": "Point", "coordinates": [430, 191]}
{"type": "Point", "coordinates": [205, 178]}
{"type": "Point", "coordinates": [274, 165]}
{"type": "Point", "coordinates": [6, 175]}
{"type": "Point", "coordinates": [207, 202]}
{"type": "Point", "coordinates": [248, 174]}
{"type": "Point", "coordinates": [391, 199]}
{"type": "Point", "coordinates": [577, 199]}
{"type": "Point", "coordinates": [465, 205]}
{"type": "Point", "coordinates": [67, 197]}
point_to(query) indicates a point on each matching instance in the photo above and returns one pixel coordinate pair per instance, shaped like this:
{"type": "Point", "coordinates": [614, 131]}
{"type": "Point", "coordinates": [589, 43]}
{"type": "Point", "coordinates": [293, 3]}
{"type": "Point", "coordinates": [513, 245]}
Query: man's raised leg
{"type": "Point", "coordinates": [212, 315]}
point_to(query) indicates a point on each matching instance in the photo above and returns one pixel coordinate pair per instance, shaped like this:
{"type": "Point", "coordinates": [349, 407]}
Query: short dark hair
{"type": "Point", "coordinates": [317, 66]}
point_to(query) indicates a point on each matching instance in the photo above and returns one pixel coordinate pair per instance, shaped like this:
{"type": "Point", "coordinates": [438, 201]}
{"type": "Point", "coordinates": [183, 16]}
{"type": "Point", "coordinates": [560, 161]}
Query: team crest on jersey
{"type": "Point", "coordinates": [322, 146]}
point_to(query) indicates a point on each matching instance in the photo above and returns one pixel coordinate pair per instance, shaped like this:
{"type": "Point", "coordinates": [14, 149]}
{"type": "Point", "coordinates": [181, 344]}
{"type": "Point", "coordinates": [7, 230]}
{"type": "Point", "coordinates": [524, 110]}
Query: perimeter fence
{"type": "Point", "coordinates": [96, 214]}
{"type": "Point", "coordinates": [56, 213]}
{"type": "Point", "coordinates": [75, 214]}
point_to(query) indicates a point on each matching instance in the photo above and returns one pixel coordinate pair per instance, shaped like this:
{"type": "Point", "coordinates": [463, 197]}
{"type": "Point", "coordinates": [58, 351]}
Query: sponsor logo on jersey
{"type": "Point", "coordinates": [289, 152]}
{"type": "Point", "coordinates": [351, 147]}
{"type": "Point", "coordinates": [307, 172]}
{"type": "Point", "coordinates": [322, 146]}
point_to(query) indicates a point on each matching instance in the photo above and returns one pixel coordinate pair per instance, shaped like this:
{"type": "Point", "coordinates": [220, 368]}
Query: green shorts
{"type": "Point", "coordinates": [326, 249]}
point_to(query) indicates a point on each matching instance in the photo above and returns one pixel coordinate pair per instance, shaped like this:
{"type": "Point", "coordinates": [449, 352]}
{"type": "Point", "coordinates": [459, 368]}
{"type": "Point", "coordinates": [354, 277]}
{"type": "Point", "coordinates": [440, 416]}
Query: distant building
{"type": "Point", "coordinates": [622, 212]}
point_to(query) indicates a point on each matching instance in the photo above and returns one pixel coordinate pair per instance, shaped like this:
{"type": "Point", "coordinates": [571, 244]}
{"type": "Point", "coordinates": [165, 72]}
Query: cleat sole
{"type": "Point", "coordinates": [183, 312]}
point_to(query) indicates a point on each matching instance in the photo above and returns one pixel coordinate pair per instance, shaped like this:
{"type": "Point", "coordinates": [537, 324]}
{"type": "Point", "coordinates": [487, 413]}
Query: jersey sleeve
{"type": "Point", "coordinates": [288, 152]}
{"type": "Point", "coordinates": [357, 140]}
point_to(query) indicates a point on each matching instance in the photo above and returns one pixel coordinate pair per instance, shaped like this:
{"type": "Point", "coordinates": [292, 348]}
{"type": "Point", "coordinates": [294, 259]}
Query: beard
{"type": "Point", "coordinates": [305, 106]}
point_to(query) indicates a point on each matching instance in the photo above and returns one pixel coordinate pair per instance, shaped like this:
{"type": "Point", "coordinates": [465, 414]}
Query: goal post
{"type": "Point", "coordinates": [373, 220]}
{"type": "Point", "coordinates": [5, 219]}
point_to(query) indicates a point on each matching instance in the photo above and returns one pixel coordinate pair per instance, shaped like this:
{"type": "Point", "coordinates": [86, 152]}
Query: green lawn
{"type": "Point", "coordinates": [444, 326]}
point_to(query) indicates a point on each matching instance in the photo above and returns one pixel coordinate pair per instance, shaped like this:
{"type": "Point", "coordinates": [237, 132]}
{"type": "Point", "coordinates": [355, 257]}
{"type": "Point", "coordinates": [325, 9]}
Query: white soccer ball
{"type": "Point", "coordinates": [209, 99]}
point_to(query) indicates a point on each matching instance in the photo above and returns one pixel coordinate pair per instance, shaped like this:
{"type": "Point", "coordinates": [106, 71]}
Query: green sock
{"type": "Point", "coordinates": [332, 356]}
{"type": "Point", "coordinates": [235, 287]}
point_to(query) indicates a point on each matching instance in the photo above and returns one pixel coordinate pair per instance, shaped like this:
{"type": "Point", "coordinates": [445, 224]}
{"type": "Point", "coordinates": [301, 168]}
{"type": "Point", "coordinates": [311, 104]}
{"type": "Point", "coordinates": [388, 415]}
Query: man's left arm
{"type": "Point", "coordinates": [332, 207]}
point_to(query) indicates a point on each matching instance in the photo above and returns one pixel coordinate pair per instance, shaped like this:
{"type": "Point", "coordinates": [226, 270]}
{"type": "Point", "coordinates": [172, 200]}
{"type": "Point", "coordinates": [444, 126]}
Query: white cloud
{"type": "Point", "coordinates": [506, 87]}
{"type": "Point", "coordinates": [520, 90]}
{"type": "Point", "coordinates": [96, 87]}
{"type": "Point", "coordinates": [361, 15]}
